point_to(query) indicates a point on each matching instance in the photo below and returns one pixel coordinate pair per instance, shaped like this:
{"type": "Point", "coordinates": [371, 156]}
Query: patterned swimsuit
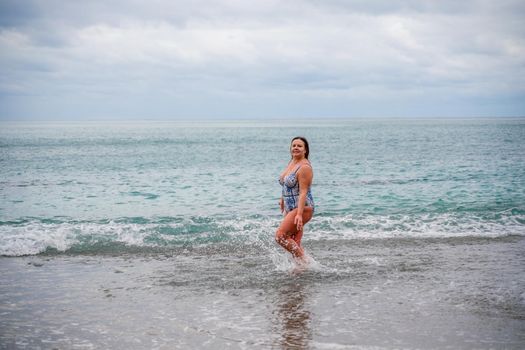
{"type": "Point", "coordinates": [291, 192]}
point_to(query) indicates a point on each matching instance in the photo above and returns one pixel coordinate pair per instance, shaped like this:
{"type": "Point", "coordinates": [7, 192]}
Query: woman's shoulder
{"type": "Point", "coordinates": [306, 166]}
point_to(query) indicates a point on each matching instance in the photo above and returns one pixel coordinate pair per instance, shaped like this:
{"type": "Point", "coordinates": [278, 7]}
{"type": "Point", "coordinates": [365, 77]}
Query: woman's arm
{"type": "Point", "coordinates": [304, 176]}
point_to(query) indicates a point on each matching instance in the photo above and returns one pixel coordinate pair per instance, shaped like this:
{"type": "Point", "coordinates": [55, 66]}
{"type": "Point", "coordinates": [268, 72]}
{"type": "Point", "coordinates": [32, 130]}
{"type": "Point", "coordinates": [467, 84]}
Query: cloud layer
{"type": "Point", "coordinates": [238, 59]}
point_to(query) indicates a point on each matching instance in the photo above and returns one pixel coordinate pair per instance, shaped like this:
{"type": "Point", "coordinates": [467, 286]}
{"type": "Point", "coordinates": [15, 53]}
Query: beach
{"type": "Point", "coordinates": [462, 293]}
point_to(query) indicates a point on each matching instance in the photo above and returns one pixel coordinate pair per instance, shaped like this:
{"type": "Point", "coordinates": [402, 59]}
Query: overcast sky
{"type": "Point", "coordinates": [170, 59]}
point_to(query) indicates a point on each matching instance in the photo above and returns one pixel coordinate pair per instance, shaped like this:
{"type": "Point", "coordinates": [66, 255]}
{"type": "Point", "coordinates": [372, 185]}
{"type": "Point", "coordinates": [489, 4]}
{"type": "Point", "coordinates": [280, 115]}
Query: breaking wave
{"type": "Point", "coordinates": [31, 236]}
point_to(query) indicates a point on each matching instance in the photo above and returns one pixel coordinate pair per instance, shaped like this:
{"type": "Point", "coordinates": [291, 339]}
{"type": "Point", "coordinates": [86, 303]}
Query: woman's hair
{"type": "Point", "coordinates": [306, 147]}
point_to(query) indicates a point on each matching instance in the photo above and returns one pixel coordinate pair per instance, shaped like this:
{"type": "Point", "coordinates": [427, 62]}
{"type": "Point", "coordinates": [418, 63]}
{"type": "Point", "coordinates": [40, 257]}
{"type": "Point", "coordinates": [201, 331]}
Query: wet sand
{"type": "Point", "coordinates": [456, 293]}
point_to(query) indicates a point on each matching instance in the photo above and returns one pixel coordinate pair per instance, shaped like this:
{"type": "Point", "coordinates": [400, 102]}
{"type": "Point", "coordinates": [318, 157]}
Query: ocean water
{"type": "Point", "coordinates": [160, 235]}
{"type": "Point", "coordinates": [83, 187]}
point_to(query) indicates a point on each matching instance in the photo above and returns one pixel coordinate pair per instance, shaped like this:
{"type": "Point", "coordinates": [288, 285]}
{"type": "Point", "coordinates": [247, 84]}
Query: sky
{"type": "Point", "coordinates": [233, 59]}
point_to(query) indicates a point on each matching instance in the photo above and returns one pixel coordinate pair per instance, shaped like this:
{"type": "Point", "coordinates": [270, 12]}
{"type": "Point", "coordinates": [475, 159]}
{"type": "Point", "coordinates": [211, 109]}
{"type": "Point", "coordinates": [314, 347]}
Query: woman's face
{"type": "Point", "coordinates": [298, 149]}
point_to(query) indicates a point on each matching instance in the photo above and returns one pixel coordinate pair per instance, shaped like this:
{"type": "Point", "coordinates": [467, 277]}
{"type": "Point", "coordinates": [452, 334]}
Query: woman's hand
{"type": "Point", "coordinates": [298, 220]}
{"type": "Point", "coordinates": [281, 204]}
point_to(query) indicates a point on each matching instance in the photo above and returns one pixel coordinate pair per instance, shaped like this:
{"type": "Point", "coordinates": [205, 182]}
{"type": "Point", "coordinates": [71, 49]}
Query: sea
{"type": "Point", "coordinates": [160, 235]}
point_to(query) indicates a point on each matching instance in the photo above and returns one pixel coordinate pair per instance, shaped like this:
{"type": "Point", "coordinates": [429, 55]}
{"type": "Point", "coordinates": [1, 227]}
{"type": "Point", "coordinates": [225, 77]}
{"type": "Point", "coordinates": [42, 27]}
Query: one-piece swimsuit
{"type": "Point", "coordinates": [290, 191]}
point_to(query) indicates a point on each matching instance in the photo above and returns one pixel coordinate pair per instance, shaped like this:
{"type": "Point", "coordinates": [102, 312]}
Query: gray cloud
{"type": "Point", "coordinates": [263, 58]}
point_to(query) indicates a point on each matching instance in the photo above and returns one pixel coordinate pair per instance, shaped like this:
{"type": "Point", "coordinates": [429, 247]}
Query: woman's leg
{"type": "Point", "coordinates": [288, 236]}
{"type": "Point", "coordinates": [307, 216]}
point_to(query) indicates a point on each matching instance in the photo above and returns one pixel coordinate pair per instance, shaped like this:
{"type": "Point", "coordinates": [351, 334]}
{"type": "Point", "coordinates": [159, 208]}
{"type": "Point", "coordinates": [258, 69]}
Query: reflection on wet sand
{"type": "Point", "coordinates": [293, 324]}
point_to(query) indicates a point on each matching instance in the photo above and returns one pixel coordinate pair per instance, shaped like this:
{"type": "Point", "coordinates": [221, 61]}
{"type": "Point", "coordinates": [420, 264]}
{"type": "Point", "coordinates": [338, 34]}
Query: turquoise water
{"type": "Point", "coordinates": [89, 186]}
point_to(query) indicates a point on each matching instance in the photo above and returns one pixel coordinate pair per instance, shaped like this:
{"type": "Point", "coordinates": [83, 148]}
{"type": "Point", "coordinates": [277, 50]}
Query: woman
{"type": "Point", "coordinates": [297, 203]}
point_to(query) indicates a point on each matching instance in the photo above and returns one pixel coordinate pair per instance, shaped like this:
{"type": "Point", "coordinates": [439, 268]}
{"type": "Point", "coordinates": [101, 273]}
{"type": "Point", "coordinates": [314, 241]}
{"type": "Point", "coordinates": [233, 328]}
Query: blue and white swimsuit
{"type": "Point", "coordinates": [290, 187]}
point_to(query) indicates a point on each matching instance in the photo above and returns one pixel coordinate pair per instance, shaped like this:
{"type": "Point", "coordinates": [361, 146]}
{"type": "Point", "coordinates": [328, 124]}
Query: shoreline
{"type": "Point", "coordinates": [362, 295]}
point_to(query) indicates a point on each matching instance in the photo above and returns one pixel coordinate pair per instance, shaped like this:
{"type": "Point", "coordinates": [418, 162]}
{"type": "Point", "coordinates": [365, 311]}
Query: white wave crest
{"type": "Point", "coordinates": [35, 237]}
{"type": "Point", "coordinates": [423, 226]}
